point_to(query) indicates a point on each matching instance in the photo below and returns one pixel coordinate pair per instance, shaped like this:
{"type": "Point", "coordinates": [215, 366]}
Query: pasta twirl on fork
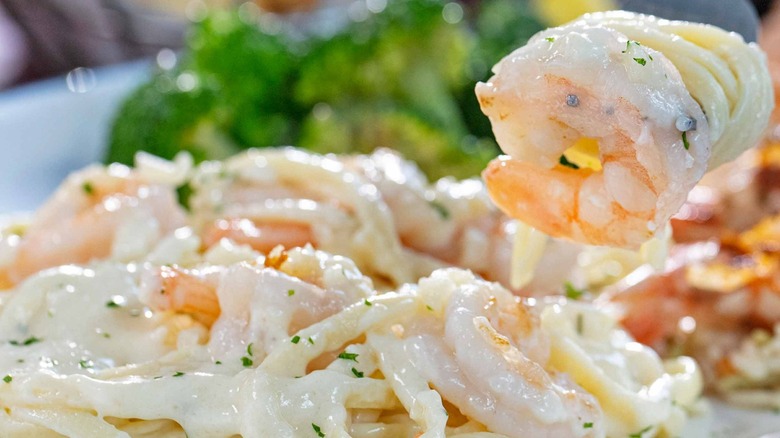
{"type": "Point", "coordinates": [611, 120]}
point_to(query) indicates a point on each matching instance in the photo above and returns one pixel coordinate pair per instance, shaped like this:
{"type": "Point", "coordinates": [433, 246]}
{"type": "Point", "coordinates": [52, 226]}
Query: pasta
{"type": "Point", "coordinates": [174, 337]}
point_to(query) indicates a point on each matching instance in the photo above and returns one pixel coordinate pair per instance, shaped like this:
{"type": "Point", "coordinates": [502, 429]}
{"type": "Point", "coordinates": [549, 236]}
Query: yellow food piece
{"type": "Point", "coordinates": [585, 153]}
{"type": "Point", "coordinates": [555, 13]}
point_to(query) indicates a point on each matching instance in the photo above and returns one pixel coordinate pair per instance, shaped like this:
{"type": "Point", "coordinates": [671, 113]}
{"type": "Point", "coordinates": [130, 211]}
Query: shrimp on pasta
{"type": "Point", "coordinates": [604, 122]}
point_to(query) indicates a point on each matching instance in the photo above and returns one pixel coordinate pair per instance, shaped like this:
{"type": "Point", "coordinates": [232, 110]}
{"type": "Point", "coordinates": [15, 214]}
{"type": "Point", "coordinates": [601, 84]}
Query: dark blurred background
{"type": "Point", "coordinates": [43, 38]}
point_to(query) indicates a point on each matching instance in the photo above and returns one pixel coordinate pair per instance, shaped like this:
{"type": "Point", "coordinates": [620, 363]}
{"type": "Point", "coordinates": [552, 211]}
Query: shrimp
{"type": "Point", "coordinates": [84, 219]}
{"type": "Point", "coordinates": [453, 222]}
{"type": "Point", "coordinates": [244, 303]}
{"type": "Point", "coordinates": [262, 236]}
{"type": "Point", "coordinates": [710, 301]}
{"type": "Point", "coordinates": [487, 357]}
{"type": "Point", "coordinates": [604, 138]}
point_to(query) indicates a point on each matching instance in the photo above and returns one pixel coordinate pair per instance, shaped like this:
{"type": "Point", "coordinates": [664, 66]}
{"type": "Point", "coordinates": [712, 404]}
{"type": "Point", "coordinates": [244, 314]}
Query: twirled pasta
{"type": "Point", "coordinates": [634, 90]}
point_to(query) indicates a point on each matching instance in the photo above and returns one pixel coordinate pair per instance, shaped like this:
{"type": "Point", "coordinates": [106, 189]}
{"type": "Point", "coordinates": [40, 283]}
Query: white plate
{"type": "Point", "coordinates": [47, 130]}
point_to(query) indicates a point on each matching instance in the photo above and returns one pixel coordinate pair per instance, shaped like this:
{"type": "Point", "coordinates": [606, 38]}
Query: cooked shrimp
{"type": "Point", "coordinates": [554, 113]}
{"type": "Point", "coordinates": [262, 236]}
{"type": "Point", "coordinates": [292, 197]}
{"type": "Point", "coordinates": [487, 357]}
{"type": "Point", "coordinates": [261, 304]}
{"type": "Point", "coordinates": [82, 221]}
{"type": "Point", "coordinates": [451, 221]}
{"type": "Point", "coordinates": [711, 303]}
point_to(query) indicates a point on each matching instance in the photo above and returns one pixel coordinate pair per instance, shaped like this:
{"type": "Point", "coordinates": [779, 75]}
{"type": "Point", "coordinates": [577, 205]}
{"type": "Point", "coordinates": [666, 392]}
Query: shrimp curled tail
{"type": "Point", "coordinates": [605, 140]}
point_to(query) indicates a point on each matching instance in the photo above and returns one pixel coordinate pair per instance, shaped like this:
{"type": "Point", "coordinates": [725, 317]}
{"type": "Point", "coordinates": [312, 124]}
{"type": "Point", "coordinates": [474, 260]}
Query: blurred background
{"type": "Point", "coordinates": [328, 75]}
{"type": "Point", "coordinates": [48, 37]}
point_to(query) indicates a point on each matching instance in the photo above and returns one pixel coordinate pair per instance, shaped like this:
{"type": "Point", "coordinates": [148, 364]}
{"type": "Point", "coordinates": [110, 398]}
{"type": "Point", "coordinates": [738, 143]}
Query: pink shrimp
{"type": "Point", "coordinates": [80, 222]}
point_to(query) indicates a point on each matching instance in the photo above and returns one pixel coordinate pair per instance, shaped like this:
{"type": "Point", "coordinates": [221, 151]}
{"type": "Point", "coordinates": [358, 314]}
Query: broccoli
{"type": "Point", "coordinates": [239, 96]}
{"type": "Point", "coordinates": [362, 128]}
{"type": "Point", "coordinates": [401, 78]}
{"type": "Point", "coordinates": [162, 119]}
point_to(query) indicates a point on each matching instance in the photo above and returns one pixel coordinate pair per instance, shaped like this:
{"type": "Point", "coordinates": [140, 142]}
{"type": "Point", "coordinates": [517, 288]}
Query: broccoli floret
{"type": "Point", "coordinates": [406, 54]}
{"type": "Point", "coordinates": [161, 118]}
{"type": "Point", "coordinates": [401, 78]}
{"type": "Point", "coordinates": [237, 94]}
{"type": "Point", "coordinates": [362, 128]}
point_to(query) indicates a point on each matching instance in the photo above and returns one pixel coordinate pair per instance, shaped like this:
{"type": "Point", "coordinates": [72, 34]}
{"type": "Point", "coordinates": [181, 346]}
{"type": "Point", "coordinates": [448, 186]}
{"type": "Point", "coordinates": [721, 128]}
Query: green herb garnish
{"type": "Point", "coordinates": [348, 356]}
{"type": "Point", "coordinates": [628, 45]}
{"type": "Point", "coordinates": [641, 432]}
{"type": "Point", "coordinates": [572, 292]}
{"type": "Point", "coordinates": [358, 374]}
{"type": "Point", "coordinates": [88, 188]}
{"type": "Point", "coordinates": [183, 194]}
{"type": "Point", "coordinates": [441, 209]}
{"type": "Point", "coordinates": [686, 145]}
{"type": "Point", "coordinates": [29, 341]}
{"type": "Point", "coordinates": [7, 378]}
{"type": "Point", "coordinates": [317, 430]}
{"type": "Point", "coordinates": [640, 61]}
{"type": "Point", "coordinates": [295, 339]}
{"type": "Point", "coordinates": [565, 162]}
{"type": "Point", "coordinates": [178, 374]}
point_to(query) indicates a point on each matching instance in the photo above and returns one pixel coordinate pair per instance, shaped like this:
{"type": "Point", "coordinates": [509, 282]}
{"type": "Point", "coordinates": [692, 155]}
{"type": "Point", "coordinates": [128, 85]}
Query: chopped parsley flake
{"type": "Point", "coordinates": [178, 374]}
{"type": "Point", "coordinates": [290, 292]}
{"type": "Point", "coordinates": [318, 430]}
{"type": "Point", "coordinates": [564, 162]}
{"type": "Point", "coordinates": [640, 61]}
{"type": "Point", "coordinates": [429, 307]}
{"type": "Point", "coordinates": [218, 362]}
{"type": "Point", "coordinates": [106, 335]}
{"type": "Point", "coordinates": [348, 356]}
{"type": "Point", "coordinates": [686, 145]}
{"type": "Point", "coordinates": [572, 292]}
{"type": "Point", "coordinates": [29, 341]}
{"type": "Point", "coordinates": [183, 194]}
{"type": "Point", "coordinates": [550, 39]}
{"type": "Point", "coordinates": [113, 304]}
{"type": "Point", "coordinates": [649, 56]}
{"type": "Point", "coordinates": [247, 361]}
{"type": "Point", "coordinates": [441, 209]}
{"type": "Point", "coordinates": [311, 341]}
{"type": "Point", "coordinates": [249, 349]}
{"type": "Point", "coordinates": [358, 374]}
{"type": "Point", "coordinates": [580, 323]}
{"type": "Point", "coordinates": [628, 45]}
{"type": "Point", "coordinates": [7, 378]}
{"type": "Point", "coordinates": [641, 432]}
{"type": "Point", "coordinates": [587, 425]}
{"type": "Point", "coordinates": [295, 339]}
{"type": "Point", "coordinates": [88, 188]}
{"type": "Point", "coordinates": [85, 364]}
{"type": "Point", "coordinates": [367, 303]}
